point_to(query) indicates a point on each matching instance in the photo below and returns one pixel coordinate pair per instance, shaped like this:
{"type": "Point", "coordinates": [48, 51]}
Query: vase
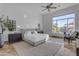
{"type": "Point", "coordinates": [1, 41]}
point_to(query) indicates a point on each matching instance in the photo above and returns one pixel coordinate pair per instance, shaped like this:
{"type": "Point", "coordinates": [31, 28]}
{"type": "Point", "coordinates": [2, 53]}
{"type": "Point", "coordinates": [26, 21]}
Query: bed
{"type": "Point", "coordinates": [35, 38]}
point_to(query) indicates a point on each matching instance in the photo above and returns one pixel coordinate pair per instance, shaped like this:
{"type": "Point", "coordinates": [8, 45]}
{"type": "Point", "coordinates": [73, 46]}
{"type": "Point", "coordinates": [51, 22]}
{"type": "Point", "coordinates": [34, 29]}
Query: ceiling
{"type": "Point", "coordinates": [61, 6]}
{"type": "Point", "coordinates": [35, 7]}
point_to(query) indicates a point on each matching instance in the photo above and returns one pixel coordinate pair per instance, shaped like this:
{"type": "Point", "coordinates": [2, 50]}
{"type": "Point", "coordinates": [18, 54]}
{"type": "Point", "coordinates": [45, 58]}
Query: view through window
{"type": "Point", "coordinates": [63, 23]}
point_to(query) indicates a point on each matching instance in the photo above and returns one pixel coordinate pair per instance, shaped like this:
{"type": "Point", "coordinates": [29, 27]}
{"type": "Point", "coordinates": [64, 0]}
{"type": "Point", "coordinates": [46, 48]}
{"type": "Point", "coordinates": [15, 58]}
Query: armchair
{"type": "Point", "coordinates": [70, 36]}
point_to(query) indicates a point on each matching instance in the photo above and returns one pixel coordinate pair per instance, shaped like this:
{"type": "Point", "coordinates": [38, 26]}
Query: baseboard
{"type": "Point", "coordinates": [56, 36]}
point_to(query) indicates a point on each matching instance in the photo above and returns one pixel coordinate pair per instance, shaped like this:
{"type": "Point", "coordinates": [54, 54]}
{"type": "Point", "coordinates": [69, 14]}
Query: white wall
{"type": "Point", "coordinates": [17, 11]}
{"type": "Point", "coordinates": [47, 18]}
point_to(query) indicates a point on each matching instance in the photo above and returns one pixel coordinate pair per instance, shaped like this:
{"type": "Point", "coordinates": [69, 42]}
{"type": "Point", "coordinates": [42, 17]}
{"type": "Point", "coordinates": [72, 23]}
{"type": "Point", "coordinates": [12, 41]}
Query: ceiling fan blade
{"type": "Point", "coordinates": [50, 4]}
{"type": "Point", "coordinates": [53, 7]}
{"type": "Point", "coordinates": [44, 10]}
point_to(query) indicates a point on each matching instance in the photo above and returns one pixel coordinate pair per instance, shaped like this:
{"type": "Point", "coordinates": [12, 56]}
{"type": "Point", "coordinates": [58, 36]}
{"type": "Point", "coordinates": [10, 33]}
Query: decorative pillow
{"type": "Point", "coordinates": [30, 32]}
{"type": "Point", "coordinates": [33, 32]}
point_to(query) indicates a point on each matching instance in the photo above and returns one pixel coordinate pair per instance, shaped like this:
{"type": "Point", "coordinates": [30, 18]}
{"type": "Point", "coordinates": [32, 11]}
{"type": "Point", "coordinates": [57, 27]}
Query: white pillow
{"type": "Point", "coordinates": [28, 33]}
{"type": "Point", "coordinates": [35, 32]}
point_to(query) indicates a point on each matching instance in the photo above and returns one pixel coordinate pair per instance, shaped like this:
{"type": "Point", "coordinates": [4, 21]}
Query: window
{"type": "Point", "coordinates": [63, 23]}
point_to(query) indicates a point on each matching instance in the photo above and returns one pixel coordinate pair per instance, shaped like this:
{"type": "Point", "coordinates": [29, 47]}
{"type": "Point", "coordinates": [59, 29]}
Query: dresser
{"type": "Point", "coordinates": [15, 37]}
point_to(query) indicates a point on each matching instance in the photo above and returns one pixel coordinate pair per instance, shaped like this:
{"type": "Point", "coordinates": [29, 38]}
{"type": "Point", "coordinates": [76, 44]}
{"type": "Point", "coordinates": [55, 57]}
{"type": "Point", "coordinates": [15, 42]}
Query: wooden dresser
{"type": "Point", "coordinates": [12, 38]}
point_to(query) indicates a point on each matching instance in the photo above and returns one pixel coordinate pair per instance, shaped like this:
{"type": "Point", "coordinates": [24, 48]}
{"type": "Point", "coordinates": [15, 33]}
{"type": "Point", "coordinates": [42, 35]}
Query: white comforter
{"type": "Point", "coordinates": [36, 39]}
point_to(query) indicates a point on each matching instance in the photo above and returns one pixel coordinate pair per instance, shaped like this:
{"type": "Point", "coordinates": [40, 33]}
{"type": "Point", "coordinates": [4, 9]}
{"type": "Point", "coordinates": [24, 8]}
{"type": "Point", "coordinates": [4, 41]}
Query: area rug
{"type": "Point", "coordinates": [46, 49]}
{"type": "Point", "coordinates": [8, 50]}
{"type": "Point", "coordinates": [65, 52]}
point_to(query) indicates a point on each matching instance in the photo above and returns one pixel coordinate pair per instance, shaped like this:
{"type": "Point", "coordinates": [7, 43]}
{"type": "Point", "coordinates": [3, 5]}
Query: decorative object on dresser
{"type": "Point", "coordinates": [15, 37]}
{"type": "Point", "coordinates": [1, 41]}
{"type": "Point", "coordinates": [1, 32]}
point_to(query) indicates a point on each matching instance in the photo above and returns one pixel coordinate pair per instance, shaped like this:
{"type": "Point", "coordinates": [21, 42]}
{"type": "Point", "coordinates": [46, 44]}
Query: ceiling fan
{"type": "Point", "coordinates": [48, 7]}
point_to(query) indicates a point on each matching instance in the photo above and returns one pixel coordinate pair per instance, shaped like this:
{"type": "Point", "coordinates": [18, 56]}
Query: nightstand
{"type": "Point", "coordinates": [40, 31]}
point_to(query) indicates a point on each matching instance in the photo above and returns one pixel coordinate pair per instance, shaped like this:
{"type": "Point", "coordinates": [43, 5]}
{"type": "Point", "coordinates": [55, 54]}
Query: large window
{"type": "Point", "coordinates": [63, 23]}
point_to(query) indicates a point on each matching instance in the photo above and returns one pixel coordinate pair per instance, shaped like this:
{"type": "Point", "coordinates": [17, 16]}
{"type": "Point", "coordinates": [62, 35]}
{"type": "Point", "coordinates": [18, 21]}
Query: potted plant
{"type": "Point", "coordinates": [9, 24]}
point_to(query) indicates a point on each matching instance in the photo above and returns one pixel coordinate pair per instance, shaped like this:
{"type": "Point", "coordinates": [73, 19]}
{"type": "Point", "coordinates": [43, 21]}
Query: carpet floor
{"type": "Point", "coordinates": [48, 48]}
{"type": "Point", "coordinates": [53, 47]}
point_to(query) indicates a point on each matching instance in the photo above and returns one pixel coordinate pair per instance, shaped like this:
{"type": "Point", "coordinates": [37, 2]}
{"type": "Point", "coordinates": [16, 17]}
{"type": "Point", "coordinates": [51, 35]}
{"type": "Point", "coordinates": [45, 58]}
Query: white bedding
{"type": "Point", "coordinates": [36, 39]}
